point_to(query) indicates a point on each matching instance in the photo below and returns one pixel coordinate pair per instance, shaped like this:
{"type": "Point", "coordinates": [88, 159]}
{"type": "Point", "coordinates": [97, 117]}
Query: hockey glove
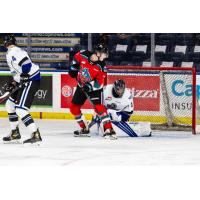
{"type": "Point", "coordinates": [87, 87]}
{"type": "Point", "coordinates": [9, 86]}
{"type": "Point", "coordinates": [73, 71]}
{"type": "Point", "coordinates": [24, 79]}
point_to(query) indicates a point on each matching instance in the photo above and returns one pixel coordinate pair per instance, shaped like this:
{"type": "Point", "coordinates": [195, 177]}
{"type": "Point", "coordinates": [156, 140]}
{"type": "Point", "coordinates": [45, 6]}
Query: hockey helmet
{"type": "Point", "coordinates": [119, 87]}
{"type": "Point", "coordinates": [9, 39]}
{"type": "Point", "coordinates": [101, 48]}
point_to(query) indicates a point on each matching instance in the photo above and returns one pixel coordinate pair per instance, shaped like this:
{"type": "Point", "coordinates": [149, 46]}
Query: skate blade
{"type": "Point", "coordinates": [35, 144]}
{"type": "Point", "coordinates": [85, 135]}
{"type": "Point", "coordinates": [111, 137]}
{"type": "Point", "coordinates": [150, 134]}
{"type": "Point", "coordinates": [13, 142]}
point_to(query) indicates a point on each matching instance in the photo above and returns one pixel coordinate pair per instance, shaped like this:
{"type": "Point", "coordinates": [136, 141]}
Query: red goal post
{"type": "Point", "coordinates": [165, 96]}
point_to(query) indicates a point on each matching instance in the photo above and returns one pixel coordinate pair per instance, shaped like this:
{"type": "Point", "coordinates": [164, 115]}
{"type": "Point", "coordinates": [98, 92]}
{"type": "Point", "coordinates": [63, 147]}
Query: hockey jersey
{"type": "Point", "coordinates": [19, 63]}
{"type": "Point", "coordinates": [124, 103]}
{"type": "Point", "coordinates": [88, 71]}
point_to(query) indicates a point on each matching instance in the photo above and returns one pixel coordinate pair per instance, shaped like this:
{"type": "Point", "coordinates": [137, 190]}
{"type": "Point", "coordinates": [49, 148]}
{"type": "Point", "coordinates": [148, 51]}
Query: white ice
{"type": "Point", "coordinates": [59, 147]}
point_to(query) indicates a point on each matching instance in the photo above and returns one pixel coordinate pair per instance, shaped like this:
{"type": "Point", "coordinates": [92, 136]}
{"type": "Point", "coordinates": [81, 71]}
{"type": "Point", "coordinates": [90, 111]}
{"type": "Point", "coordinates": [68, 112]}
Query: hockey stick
{"type": "Point", "coordinates": [94, 121]}
{"type": "Point", "coordinates": [6, 95]}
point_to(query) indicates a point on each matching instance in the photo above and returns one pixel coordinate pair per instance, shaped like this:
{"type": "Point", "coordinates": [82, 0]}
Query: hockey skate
{"type": "Point", "coordinates": [110, 134]}
{"type": "Point", "coordinates": [35, 138]}
{"type": "Point", "coordinates": [14, 137]}
{"type": "Point", "coordinates": [82, 133]}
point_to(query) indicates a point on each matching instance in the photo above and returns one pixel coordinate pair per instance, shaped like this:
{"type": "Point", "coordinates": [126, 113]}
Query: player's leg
{"type": "Point", "coordinates": [78, 100]}
{"type": "Point", "coordinates": [23, 103]}
{"type": "Point", "coordinates": [13, 119]}
{"type": "Point", "coordinates": [96, 98]}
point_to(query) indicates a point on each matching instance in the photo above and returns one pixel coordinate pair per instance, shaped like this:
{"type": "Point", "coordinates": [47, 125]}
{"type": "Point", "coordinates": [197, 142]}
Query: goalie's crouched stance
{"type": "Point", "coordinates": [132, 129]}
{"type": "Point", "coordinates": [119, 101]}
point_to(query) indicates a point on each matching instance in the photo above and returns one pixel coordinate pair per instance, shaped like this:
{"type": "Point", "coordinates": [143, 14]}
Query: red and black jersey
{"type": "Point", "coordinates": [88, 71]}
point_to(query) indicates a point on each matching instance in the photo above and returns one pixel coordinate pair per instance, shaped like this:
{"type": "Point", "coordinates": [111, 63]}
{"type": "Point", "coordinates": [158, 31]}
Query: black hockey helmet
{"type": "Point", "coordinates": [119, 87]}
{"type": "Point", "coordinates": [9, 39]}
{"type": "Point", "coordinates": [101, 48]}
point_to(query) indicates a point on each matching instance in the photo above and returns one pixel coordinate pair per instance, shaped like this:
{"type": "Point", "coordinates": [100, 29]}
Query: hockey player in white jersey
{"type": "Point", "coordinates": [119, 101]}
{"type": "Point", "coordinates": [26, 77]}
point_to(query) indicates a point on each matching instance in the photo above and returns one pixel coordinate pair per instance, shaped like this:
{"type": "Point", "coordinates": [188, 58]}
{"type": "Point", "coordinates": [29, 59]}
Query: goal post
{"type": "Point", "coordinates": [164, 96]}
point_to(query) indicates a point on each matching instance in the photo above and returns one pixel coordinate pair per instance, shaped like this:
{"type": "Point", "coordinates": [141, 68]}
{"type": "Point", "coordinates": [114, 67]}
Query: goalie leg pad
{"type": "Point", "coordinates": [125, 128]}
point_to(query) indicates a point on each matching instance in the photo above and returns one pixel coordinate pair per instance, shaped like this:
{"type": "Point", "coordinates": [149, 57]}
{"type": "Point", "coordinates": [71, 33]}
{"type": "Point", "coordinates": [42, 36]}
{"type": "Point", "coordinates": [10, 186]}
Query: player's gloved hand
{"type": "Point", "coordinates": [73, 70]}
{"type": "Point", "coordinates": [9, 86]}
{"type": "Point", "coordinates": [24, 79]}
{"type": "Point", "coordinates": [87, 87]}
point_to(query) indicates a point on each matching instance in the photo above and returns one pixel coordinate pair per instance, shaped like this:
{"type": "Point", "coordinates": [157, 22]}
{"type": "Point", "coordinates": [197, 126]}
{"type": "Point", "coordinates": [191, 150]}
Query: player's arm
{"type": "Point", "coordinates": [25, 63]}
{"type": "Point", "coordinates": [75, 65]}
{"type": "Point", "coordinates": [128, 107]}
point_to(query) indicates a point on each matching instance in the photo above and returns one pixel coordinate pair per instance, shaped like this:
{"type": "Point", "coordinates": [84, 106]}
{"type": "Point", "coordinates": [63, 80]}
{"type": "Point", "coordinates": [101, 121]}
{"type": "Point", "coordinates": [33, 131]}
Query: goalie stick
{"type": "Point", "coordinates": [94, 121]}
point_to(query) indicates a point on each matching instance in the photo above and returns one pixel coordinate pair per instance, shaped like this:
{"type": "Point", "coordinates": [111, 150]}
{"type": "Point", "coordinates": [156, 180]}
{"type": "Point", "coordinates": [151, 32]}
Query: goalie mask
{"type": "Point", "coordinates": [119, 87]}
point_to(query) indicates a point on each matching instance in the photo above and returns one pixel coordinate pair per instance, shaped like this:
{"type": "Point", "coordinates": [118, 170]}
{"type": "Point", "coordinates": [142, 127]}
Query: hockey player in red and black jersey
{"type": "Point", "coordinates": [89, 69]}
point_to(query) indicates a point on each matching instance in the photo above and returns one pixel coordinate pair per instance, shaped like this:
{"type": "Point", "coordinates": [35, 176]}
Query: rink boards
{"type": "Point", "coordinates": [53, 99]}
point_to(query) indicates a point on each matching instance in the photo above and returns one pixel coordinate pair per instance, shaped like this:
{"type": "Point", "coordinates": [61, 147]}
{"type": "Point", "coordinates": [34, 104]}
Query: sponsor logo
{"type": "Point", "coordinates": [181, 88]}
{"type": "Point", "coordinates": [13, 58]}
{"type": "Point", "coordinates": [138, 93]}
{"type": "Point", "coordinates": [66, 91]}
{"type": "Point", "coordinates": [181, 106]}
{"type": "Point", "coordinates": [41, 94]}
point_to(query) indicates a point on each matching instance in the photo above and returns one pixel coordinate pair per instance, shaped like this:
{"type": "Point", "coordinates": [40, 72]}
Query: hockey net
{"type": "Point", "coordinates": [163, 96]}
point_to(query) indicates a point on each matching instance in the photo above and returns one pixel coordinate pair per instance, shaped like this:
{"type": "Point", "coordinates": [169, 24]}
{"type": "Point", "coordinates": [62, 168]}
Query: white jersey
{"type": "Point", "coordinates": [124, 103]}
{"type": "Point", "coordinates": [19, 62]}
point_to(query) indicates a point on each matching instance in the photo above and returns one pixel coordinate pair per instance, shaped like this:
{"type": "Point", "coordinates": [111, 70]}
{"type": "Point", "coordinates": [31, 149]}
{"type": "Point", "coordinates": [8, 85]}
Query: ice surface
{"type": "Point", "coordinates": [59, 147]}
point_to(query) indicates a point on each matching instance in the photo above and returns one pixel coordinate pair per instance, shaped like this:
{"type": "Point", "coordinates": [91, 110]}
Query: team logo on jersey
{"type": "Point", "coordinates": [66, 91]}
{"type": "Point", "coordinates": [13, 58]}
{"type": "Point", "coordinates": [85, 75]}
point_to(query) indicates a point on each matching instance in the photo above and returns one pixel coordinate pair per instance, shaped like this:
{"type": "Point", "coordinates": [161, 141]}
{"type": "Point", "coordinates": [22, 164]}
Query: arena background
{"type": "Point", "coordinates": [53, 52]}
